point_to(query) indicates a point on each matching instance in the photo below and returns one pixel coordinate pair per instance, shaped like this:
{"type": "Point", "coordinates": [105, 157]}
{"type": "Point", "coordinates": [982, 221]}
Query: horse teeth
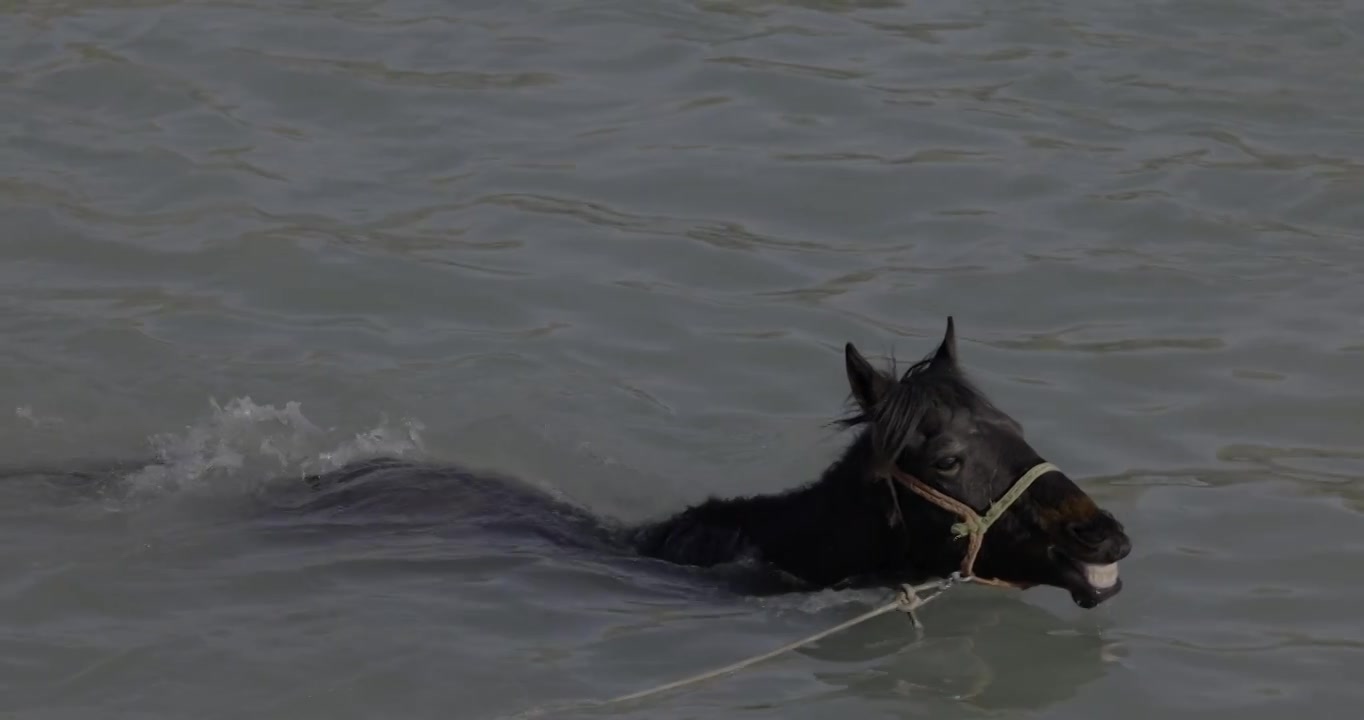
{"type": "Point", "coordinates": [1101, 576]}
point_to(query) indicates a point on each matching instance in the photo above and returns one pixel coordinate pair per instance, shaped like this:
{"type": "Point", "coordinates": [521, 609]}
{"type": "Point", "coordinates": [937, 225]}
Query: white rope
{"type": "Point", "coordinates": [907, 600]}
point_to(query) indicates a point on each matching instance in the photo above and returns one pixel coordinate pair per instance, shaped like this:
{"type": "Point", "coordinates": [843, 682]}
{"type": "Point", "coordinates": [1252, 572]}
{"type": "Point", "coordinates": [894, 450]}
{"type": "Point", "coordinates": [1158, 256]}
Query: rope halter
{"type": "Point", "coordinates": [973, 524]}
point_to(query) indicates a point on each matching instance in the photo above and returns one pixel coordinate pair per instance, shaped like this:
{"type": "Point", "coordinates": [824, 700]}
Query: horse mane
{"type": "Point", "coordinates": [925, 389]}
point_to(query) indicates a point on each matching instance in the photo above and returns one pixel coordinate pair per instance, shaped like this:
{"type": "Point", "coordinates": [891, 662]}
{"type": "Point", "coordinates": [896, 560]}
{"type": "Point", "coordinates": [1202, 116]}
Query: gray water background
{"type": "Point", "coordinates": [615, 248]}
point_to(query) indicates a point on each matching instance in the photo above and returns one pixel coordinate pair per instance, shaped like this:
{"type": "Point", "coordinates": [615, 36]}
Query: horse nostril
{"type": "Point", "coordinates": [1088, 533]}
{"type": "Point", "coordinates": [1124, 545]}
{"type": "Point", "coordinates": [1100, 536]}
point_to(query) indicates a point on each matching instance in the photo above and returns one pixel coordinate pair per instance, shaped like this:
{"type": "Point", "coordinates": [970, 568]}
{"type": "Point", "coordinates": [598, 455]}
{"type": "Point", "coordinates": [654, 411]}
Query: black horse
{"type": "Point", "coordinates": [852, 527]}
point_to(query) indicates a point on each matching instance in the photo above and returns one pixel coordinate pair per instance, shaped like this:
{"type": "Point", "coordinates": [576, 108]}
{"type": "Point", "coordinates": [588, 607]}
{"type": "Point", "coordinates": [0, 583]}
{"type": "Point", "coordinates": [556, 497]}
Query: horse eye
{"type": "Point", "coordinates": [948, 463]}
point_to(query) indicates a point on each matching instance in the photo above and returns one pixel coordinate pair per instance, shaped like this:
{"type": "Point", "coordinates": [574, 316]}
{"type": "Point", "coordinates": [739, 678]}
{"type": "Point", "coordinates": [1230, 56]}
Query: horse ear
{"type": "Point", "coordinates": [867, 384]}
{"type": "Point", "coordinates": [947, 349]}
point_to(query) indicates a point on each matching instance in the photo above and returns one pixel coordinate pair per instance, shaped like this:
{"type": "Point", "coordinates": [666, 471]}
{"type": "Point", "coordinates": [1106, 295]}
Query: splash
{"type": "Point", "coordinates": [26, 413]}
{"type": "Point", "coordinates": [242, 445]}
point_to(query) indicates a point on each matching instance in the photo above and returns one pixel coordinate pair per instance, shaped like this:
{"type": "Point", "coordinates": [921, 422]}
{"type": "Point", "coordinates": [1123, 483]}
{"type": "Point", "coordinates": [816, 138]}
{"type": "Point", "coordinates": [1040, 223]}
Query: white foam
{"type": "Point", "coordinates": [1101, 577]}
{"type": "Point", "coordinates": [243, 440]}
{"type": "Point", "coordinates": [25, 412]}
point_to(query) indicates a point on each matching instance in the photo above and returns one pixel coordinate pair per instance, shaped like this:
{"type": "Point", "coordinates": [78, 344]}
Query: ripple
{"type": "Point", "coordinates": [789, 68]}
{"type": "Point", "coordinates": [704, 102]}
{"type": "Point", "coordinates": [1348, 464]}
{"type": "Point", "coordinates": [720, 234]}
{"type": "Point", "coordinates": [1280, 642]}
{"type": "Point", "coordinates": [1277, 161]}
{"type": "Point", "coordinates": [928, 32]}
{"type": "Point", "coordinates": [1253, 374]}
{"type": "Point", "coordinates": [1054, 143]}
{"type": "Point", "coordinates": [935, 155]}
{"type": "Point", "coordinates": [1129, 345]}
{"type": "Point", "coordinates": [828, 289]}
{"type": "Point", "coordinates": [382, 73]}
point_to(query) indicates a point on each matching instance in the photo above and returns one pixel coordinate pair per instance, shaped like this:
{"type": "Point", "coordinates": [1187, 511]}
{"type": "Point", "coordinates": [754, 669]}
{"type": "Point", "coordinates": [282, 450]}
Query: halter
{"type": "Point", "coordinates": [972, 524]}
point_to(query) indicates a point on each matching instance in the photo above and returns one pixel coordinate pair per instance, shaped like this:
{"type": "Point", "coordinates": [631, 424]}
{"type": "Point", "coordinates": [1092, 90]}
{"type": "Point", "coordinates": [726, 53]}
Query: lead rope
{"type": "Point", "coordinates": [907, 600]}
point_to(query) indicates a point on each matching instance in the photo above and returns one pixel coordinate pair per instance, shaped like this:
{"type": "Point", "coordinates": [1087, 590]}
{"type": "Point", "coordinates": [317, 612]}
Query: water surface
{"type": "Point", "coordinates": [615, 248]}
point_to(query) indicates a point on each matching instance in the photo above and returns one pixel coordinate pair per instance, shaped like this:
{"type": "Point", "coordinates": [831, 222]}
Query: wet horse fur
{"type": "Point", "coordinates": [850, 527]}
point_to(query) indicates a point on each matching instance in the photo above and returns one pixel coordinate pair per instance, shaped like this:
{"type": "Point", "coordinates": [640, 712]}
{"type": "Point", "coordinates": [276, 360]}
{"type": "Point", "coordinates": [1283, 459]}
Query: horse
{"type": "Point", "coordinates": [932, 466]}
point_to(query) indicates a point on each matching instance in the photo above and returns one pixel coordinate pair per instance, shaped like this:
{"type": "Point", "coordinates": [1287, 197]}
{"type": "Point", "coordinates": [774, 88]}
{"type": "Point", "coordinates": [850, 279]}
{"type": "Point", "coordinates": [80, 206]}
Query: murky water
{"type": "Point", "coordinates": [615, 248]}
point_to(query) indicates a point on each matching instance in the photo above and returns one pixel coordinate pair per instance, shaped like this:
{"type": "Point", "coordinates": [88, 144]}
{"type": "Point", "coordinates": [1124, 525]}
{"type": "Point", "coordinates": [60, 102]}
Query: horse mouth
{"type": "Point", "coordinates": [1089, 583]}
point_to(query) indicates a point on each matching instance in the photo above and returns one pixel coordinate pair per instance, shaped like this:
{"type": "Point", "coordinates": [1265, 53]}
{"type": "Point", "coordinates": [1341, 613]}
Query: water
{"type": "Point", "coordinates": [615, 248]}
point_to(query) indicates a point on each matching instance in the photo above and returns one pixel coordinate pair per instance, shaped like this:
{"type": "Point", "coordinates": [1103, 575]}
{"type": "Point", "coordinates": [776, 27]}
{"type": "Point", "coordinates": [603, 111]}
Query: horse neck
{"type": "Point", "coordinates": [830, 530]}
{"type": "Point", "coordinates": [851, 523]}
{"type": "Point", "coordinates": [844, 524]}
